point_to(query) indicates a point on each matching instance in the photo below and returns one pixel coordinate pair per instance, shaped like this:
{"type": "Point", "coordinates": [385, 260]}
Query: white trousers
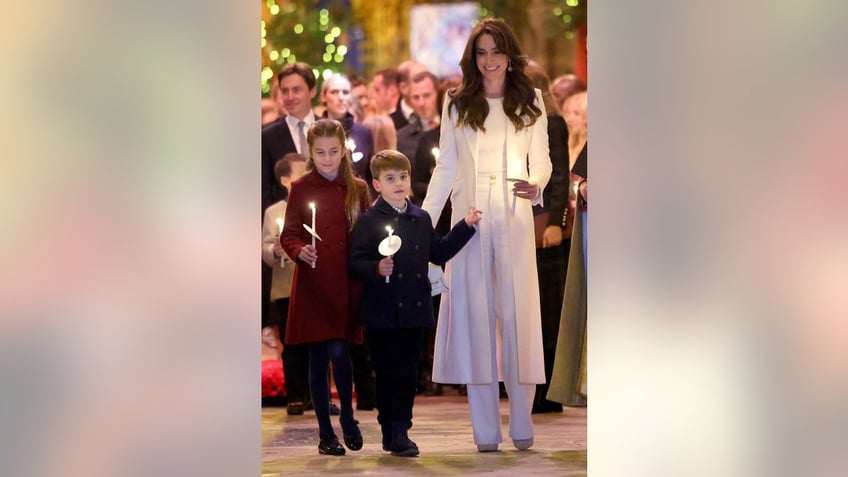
{"type": "Point", "coordinates": [483, 399]}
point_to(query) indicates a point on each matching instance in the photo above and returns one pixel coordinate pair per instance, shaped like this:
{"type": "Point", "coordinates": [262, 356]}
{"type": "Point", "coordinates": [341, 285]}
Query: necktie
{"type": "Point", "coordinates": [302, 138]}
{"type": "Point", "coordinates": [413, 119]}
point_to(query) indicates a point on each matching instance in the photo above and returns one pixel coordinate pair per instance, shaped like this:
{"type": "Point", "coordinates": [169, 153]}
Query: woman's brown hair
{"type": "Point", "coordinates": [519, 95]}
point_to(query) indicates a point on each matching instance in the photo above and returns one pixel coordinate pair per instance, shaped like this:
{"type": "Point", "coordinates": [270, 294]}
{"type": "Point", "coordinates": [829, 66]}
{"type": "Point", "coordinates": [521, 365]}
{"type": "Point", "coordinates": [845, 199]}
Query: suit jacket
{"type": "Point", "coordinates": [405, 301]}
{"type": "Point", "coordinates": [398, 118]}
{"type": "Point", "coordinates": [282, 267]}
{"type": "Point", "coordinates": [408, 138]}
{"type": "Point", "coordinates": [555, 195]}
{"type": "Point", "coordinates": [323, 299]}
{"type": "Point", "coordinates": [276, 142]}
{"type": "Point", "coordinates": [463, 349]}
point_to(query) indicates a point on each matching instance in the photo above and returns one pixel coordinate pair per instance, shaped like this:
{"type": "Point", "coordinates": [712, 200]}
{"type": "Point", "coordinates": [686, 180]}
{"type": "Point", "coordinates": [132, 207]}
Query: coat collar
{"type": "Point", "coordinates": [314, 177]}
{"type": "Point", "coordinates": [384, 207]}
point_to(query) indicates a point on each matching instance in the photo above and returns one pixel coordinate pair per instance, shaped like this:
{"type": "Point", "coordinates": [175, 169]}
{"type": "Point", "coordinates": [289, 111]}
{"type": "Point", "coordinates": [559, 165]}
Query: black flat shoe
{"type": "Point", "coordinates": [331, 446]}
{"type": "Point", "coordinates": [353, 442]}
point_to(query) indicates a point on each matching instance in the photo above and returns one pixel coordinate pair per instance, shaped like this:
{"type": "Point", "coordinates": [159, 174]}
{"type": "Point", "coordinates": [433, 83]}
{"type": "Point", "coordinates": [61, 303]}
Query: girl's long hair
{"type": "Point", "coordinates": [519, 96]}
{"type": "Point", "coordinates": [333, 128]}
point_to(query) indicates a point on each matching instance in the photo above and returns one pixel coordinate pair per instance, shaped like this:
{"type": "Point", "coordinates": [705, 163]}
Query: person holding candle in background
{"type": "Point", "coordinates": [396, 308]}
{"type": "Point", "coordinates": [324, 299]}
{"type": "Point", "coordinates": [295, 357]}
{"type": "Point", "coordinates": [493, 153]}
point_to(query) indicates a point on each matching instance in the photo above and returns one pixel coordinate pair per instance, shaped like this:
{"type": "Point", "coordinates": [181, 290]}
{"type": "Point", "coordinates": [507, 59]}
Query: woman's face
{"type": "Point", "coordinates": [574, 115]}
{"type": "Point", "coordinates": [490, 61]}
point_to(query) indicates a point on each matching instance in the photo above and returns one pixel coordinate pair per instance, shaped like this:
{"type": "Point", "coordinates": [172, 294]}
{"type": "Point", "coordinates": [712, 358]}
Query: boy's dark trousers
{"type": "Point", "coordinates": [395, 354]}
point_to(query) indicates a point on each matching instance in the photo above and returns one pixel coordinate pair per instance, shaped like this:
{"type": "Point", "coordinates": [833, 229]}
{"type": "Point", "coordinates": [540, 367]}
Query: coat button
{"type": "Point", "coordinates": [418, 304]}
{"type": "Point", "coordinates": [400, 305]}
{"type": "Point", "coordinates": [417, 247]}
{"type": "Point", "coordinates": [417, 275]}
{"type": "Point", "coordinates": [400, 275]}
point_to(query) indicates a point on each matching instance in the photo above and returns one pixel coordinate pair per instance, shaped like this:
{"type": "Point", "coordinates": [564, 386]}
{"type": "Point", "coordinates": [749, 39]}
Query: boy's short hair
{"type": "Point", "coordinates": [389, 159]}
{"type": "Point", "coordinates": [282, 168]}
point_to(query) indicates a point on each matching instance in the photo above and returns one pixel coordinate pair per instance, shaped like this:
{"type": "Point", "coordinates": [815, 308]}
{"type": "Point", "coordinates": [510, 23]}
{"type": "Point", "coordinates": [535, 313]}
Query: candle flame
{"type": "Point", "coordinates": [435, 152]}
{"type": "Point", "coordinates": [312, 205]}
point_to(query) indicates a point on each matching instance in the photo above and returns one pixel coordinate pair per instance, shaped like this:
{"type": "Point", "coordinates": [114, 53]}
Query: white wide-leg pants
{"type": "Point", "coordinates": [483, 399]}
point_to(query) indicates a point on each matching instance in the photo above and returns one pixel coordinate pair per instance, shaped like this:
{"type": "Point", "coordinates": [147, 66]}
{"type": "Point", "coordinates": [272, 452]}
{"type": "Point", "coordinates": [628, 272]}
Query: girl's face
{"type": "Point", "coordinates": [327, 153]}
{"type": "Point", "coordinates": [491, 62]}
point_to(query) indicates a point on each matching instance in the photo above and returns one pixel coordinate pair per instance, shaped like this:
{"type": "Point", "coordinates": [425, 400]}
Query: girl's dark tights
{"type": "Point", "coordinates": [320, 356]}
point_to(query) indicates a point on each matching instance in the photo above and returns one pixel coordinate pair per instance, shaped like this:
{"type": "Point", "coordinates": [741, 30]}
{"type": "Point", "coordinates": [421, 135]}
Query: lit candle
{"type": "Point", "coordinates": [280, 225]}
{"type": "Point", "coordinates": [389, 229]}
{"type": "Point", "coordinates": [435, 152]}
{"type": "Point", "coordinates": [312, 206]}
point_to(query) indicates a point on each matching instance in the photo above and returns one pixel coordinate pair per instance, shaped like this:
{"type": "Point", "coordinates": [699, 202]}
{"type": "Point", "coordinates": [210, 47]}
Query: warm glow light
{"type": "Point", "coordinates": [267, 73]}
{"type": "Point", "coordinates": [275, 9]}
{"type": "Point", "coordinates": [273, 55]}
{"type": "Point", "coordinates": [336, 31]}
{"type": "Point", "coordinates": [323, 20]}
{"type": "Point", "coordinates": [285, 52]}
{"type": "Point", "coordinates": [291, 59]}
{"type": "Point", "coordinates": [328, 38]}
{"type": "Point", "coordinates": [263, 43]}
{"type": "Point", "coordinates": [338, 58]}
{"type": "Point", "coordinates": [316, 73]}
{"type": "Point", "coordinates": [566, 18]}
{"type": "Point", "coordinates": [572, 3]}
{"type": "Point", "coordinates": [327, 57]}
{"type": "Point", "coordinates": [342, 50]}
{"type": "Point", "coordinates": [557, 11]}
{"type": "Point", "coordinates": [331, 48]}
{"type": "Point", "coordinates": [324, 13]}
{"type": "Point", "coordinates": [298, 29]}
{"type": "Point", "coordinates": [327, 73]}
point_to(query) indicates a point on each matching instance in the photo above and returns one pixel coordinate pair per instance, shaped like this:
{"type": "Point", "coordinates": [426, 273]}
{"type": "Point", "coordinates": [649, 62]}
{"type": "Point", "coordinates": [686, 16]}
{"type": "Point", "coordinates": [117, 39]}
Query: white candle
{"type": "Point", "coordinates": [389, 229]}
{"type": "Point", "coordinates": [312, 206]}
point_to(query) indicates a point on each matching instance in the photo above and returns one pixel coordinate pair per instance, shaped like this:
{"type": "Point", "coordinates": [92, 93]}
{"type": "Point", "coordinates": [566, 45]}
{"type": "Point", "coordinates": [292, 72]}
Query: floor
{"type": "Point", "coordinates": [442, 430]}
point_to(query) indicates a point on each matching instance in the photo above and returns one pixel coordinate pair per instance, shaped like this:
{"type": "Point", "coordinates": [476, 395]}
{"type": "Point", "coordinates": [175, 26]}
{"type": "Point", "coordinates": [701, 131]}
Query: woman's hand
{"type": "Point", "coordinates": [525, 190]}
{"type": "Point", "coordinates": [552, 236]}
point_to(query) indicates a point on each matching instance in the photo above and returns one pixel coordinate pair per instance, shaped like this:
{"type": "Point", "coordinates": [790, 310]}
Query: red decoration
{"type": "Point", "coordinates": [273, 379]}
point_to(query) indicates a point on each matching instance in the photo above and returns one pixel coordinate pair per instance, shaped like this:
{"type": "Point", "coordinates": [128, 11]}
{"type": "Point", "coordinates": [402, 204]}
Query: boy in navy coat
{"type": "Point", "coordinates": [397, 314]}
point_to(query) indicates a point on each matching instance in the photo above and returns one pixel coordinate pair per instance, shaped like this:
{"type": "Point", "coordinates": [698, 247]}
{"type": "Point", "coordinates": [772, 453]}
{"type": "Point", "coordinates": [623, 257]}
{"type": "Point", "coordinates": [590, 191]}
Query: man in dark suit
{"type": "Point", "coordinates": [423, 95]}
{"type": "Point", "coordinates": [287, 134]}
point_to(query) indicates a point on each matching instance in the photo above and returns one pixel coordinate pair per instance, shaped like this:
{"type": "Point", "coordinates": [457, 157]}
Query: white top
{"type": "Point", "coordinates": [492, 142]}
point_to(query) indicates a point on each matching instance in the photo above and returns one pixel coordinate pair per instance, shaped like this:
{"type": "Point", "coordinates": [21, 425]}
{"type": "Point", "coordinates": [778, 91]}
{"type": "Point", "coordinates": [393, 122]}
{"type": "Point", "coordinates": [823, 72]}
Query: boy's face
{"type": "Point", "coordinates": [394, 185]}
{"type": "Point", "coordinates": [297, 170]}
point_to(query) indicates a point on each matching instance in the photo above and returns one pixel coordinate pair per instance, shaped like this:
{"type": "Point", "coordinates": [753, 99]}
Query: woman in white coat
{"type": "Point", "coordinates": [493, 155]}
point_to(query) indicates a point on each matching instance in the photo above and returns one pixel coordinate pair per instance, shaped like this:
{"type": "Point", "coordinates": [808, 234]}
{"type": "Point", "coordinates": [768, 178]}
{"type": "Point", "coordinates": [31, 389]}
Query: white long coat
{"type": "Point", "coordinates": [463, 350]}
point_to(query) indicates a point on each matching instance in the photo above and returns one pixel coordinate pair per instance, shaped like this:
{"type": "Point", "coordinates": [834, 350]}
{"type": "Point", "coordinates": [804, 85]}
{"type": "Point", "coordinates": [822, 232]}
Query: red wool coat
{"type": "Point", "coordinates": [324, 300]}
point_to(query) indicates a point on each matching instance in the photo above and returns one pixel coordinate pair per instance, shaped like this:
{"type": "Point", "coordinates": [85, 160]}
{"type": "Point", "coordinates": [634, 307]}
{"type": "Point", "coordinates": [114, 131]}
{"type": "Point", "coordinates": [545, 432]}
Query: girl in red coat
{"type": "Point", "coordinates": [322, 305]}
